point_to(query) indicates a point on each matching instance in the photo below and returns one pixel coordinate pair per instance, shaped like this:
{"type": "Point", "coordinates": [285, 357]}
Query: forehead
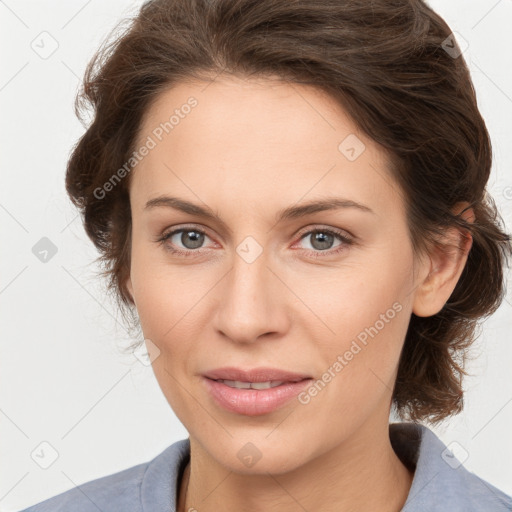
{"type": "Point", "coordinates": [249, 141]}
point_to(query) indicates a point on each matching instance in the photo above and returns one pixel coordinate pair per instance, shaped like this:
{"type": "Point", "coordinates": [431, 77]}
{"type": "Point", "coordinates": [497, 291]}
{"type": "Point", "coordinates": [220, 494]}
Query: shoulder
{"type": "Point", "coordinates": [120, 489]}
{"type": "Point", "coordinates": [441, 482]}
{"type": "Point", "coordinates": [149, 483]}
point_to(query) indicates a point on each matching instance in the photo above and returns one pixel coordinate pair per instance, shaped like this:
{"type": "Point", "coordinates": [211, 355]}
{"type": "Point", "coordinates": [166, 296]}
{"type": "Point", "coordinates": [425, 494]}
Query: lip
{"type": "Point", "coordinates": [260, 374]}
{"type": "Point", "coordinates": [254, 402]}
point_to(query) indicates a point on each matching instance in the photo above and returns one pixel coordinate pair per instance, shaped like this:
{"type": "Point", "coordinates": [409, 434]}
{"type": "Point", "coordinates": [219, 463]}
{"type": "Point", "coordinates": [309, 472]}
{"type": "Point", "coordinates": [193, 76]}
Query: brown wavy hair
{"type": "Point", "coordinates": [394, 67]}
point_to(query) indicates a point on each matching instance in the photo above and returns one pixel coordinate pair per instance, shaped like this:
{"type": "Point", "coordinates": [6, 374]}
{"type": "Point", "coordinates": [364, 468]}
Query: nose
{"type": "Point", "coordinates": [251, 302]}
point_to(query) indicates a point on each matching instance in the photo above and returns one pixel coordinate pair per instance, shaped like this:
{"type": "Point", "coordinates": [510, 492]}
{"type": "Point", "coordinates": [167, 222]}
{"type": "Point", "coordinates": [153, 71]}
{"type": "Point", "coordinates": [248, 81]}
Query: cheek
{"type": "Point", "coordinates": [168, 297]}
{"type": "Point", "coordinates": [169, 305]}
{"type": "Point", "coordinates": [352, 298]}
{"type": "Point", "coordinates": [171, 317]}
{"type": "Point", "coordinates": [359, 368]}
{"type": "Point", "coordinates": [367, 309]}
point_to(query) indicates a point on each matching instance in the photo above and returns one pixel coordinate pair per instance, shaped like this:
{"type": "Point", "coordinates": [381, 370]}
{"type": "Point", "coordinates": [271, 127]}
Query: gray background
{"type": "Point", "coordinates": [64, 382]}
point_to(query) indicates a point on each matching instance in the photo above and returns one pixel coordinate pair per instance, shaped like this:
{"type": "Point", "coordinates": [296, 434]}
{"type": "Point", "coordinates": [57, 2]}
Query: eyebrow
{"type": "Point", "coordinates": [291, 212]}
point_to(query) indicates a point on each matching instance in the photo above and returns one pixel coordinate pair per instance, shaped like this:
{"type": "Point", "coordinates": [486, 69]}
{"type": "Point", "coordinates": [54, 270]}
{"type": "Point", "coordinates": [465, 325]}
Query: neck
{"type": "Point", "coordinates": [362, 473]}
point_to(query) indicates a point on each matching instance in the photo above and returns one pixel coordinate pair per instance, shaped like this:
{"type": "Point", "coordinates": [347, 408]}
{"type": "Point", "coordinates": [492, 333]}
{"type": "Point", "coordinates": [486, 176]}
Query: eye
{"type": "Point", "coordinates": [322, 240]}
{"type": "Point", "coordinates": [190, 238]}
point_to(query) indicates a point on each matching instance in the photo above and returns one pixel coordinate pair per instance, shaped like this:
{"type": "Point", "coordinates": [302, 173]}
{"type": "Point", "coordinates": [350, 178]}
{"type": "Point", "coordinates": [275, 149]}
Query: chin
{"type": "Point", "coordinates": [255, 455]}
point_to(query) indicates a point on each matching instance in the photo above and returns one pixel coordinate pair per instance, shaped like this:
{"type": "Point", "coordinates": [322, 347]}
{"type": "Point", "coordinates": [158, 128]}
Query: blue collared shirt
{"type": "Point", "coordinates": [440, 482]}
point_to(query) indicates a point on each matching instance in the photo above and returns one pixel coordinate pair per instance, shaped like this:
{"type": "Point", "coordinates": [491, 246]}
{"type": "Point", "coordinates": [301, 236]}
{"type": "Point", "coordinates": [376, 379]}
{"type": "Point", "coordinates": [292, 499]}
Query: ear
{"type": "Point", "coordinates": [441, 270]}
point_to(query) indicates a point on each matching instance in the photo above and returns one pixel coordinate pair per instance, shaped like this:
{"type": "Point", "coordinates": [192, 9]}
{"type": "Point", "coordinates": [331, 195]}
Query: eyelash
{"type": "Point", "coordinates": [316, 254]}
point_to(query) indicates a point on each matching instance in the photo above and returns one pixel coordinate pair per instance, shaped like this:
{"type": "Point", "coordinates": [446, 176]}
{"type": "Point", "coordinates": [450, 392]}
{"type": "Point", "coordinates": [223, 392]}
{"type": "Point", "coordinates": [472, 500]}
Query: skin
{"type": "Point", "coordinates": [247, 150]}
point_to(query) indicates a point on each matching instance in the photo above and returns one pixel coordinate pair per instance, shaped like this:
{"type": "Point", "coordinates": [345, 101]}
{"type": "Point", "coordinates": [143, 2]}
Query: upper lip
{"type": "Point", "coordinates": [255, 375]}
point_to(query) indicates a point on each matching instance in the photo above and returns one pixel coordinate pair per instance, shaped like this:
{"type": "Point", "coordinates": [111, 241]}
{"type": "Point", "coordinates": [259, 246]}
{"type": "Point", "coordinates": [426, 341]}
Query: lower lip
{"type": "Point", "coordinates": [254, 402]}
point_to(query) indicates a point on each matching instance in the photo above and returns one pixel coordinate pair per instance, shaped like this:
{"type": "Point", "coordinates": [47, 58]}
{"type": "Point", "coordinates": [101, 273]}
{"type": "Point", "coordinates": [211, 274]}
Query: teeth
{"type": "Point", "coordinates": [252, 385]}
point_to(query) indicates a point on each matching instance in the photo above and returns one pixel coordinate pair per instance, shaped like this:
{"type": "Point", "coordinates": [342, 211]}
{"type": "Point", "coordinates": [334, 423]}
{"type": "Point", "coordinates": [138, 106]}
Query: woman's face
{"type": "Point", "coordinates": [250, 287]}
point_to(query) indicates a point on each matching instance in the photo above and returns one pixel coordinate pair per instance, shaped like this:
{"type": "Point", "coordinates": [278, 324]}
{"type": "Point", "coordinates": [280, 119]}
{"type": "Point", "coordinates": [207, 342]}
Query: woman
{"type": "Point", "coordinates": [290, 199]}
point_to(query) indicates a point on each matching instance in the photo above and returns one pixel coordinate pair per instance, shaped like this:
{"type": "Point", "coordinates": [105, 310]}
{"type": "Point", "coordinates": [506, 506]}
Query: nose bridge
{"type": "Point", "coordinates": [248, 306]}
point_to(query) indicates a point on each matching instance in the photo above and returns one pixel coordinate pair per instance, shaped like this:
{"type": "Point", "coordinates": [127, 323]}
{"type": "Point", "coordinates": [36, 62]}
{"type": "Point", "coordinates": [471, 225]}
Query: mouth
{"type": "Point", "coordinates": [253, 392]}
{"type": "Point", "coordinates": [252, 385]}
{"type": "Point", "coordinates": [268, 376]}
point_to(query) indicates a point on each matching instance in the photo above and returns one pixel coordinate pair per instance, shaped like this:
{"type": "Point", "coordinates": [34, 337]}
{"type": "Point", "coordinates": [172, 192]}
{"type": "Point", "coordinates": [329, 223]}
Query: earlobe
{"type": "Point", "coordinates": [443, 269]}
